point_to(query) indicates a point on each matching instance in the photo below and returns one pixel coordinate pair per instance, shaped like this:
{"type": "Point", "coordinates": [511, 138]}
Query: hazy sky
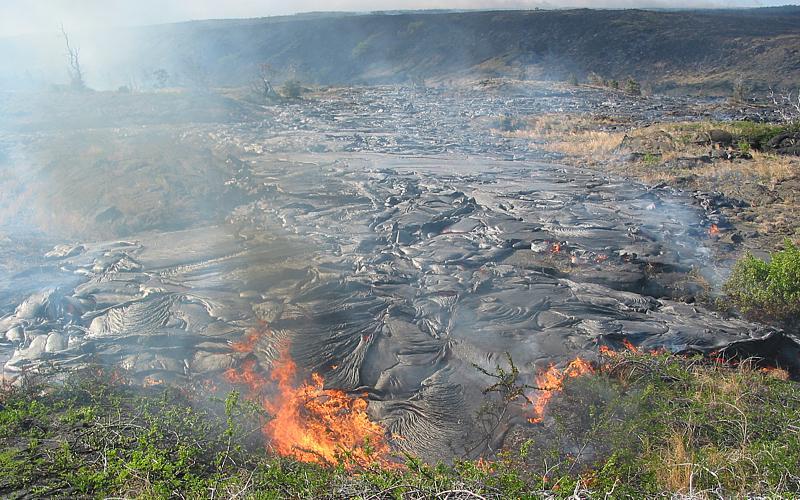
{"type": "Point", "coordinates": [32, 16]}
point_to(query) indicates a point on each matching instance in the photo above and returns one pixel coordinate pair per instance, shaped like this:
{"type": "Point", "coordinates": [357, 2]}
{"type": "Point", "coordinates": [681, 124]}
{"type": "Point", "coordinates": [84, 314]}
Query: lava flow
{"type": "Point", "coordinates": [309, 422]}
{"type": "Point", "coordinates": [552, 380]}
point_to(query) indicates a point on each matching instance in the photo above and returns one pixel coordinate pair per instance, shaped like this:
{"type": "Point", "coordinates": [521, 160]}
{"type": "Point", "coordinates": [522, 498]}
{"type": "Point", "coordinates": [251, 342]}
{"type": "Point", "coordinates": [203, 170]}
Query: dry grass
{"type": "Point", "coordinates": [764, 167]}
{"type": "Point", "coordinates": [597, 141]}
{"type": "Point", "coordinates": [679, 470]}
{"type": "Point", "coordinates": [553, 125]}
{"type": "Point", "coordinates": [578, 136]}
{"type": "Point", "coordinates": [588, 143]}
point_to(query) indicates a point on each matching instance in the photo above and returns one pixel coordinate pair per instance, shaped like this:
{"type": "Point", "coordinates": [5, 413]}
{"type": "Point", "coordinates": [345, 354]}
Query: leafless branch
{"type": "Point", "coordinates": [74, 64]}
{"type": "Point", "coordinates": [786, 104]}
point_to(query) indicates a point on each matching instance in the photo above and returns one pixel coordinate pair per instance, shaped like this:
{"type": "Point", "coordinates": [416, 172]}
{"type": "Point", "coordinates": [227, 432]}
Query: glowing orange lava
{"type": "Point", "coordinates": [552, 380]}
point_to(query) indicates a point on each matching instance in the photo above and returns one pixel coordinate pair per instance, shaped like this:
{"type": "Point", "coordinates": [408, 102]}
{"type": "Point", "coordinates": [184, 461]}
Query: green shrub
{"type": "Point", "coordinates": [744, 146]}
{"type": "Point", "coordinates": [768, 291]}
{"type": "Point", "coordinates": [758, 134]}
{"type": "Point", "coordinates": [650, 159]}
{"type": "Point", "coordinates": [633, 87]}
{"type": "Point", "coordinates": [740, 91]}
{"type": "Point", "coordinates": [572, 80]}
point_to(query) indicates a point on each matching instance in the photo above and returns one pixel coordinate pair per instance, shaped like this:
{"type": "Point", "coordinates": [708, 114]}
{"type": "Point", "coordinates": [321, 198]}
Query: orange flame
{"type": "Point", "coordinates": [248, 376]}
{"type": "Point", "coordinates": [310, 423]}
{"type": "Point", "coordinates": [629, 346]}
{"type": "Point", "coordinates": [556, 247]}
{"type": "Point", "coordinates": [314, 424]}
{"type": "Point", "coordinates": [248, 343]}
{"type": "Point", "coordinates": [775, 372]}
{"type": "Point", "coordinates": [552, 380]}
{"type": "Point", "coordinates": [208, 385]}
{"type": "Point", "coordinates": [713, 230]}
{"type": "Point", "coordinates": [607, 351]}
{"type": "Point", "coordinates": [150, 381]}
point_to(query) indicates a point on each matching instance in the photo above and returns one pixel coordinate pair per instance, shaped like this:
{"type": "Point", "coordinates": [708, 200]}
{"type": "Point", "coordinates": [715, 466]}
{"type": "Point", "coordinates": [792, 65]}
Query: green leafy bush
{"type": "Point", "coordinates": [744, 146]}
{"type": "Point", "coordinates": [650, 159]}
{"type": "Point", "coordinates": [758, 134]}
{"type": "Point", "coordinates": [768, 291]}
{"type": "Point", "coordinates": [633, 87]}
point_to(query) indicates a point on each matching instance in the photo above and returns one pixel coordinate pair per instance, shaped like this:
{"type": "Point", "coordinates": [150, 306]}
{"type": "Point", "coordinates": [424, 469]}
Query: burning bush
{"type": "Point", "coordinates": [638, 425]}
{"type": "Point", "coordinates": [768, 291]}
{"type": "Point", "coordinates": [655, 424]}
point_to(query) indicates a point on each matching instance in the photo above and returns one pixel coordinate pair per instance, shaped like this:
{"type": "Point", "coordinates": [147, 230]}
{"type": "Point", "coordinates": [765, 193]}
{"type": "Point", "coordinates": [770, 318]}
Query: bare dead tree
{"type": "Point", "coordinates": [786, 104]}
{"type": "Point", "coordinates": [262, 84]}
{"type": "Point", "coordinates": [740, 91]}
{"type": "Point", "coordinates": [74, 65]}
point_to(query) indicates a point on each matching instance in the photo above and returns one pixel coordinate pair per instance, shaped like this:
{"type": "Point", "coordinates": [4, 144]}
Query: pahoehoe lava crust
{"type": "Point", "coordinates": [388, 274]}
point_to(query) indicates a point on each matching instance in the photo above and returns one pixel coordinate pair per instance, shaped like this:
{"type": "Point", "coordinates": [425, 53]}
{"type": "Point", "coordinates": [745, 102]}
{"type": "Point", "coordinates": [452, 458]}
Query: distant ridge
{"type": "Point", "coordinates": [685, 51]}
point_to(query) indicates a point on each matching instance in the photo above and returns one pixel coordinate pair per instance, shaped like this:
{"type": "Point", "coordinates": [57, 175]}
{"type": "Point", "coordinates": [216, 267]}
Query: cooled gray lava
{"type": "Point", "coordinates": [386, 272]}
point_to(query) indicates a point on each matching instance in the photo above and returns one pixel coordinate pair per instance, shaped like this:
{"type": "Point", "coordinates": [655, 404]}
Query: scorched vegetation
{"type": "Point", "coordinates": [636, 425]}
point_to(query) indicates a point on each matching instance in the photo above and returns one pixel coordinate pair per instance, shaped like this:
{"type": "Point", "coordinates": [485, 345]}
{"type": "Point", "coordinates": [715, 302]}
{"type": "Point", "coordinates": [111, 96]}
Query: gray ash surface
{"type": "Point", "coordinates": [390, 250]}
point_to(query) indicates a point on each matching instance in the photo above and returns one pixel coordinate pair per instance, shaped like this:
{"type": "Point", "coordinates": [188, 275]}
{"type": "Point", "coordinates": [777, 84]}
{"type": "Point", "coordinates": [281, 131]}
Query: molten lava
{"type": "Point", "coordinates": [552, 380]}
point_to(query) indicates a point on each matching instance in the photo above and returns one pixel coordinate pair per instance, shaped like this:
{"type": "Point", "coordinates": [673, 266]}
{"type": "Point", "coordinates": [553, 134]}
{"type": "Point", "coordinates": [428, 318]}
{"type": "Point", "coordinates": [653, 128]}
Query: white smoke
{"type": "Point", "coordinates": [19, 17]}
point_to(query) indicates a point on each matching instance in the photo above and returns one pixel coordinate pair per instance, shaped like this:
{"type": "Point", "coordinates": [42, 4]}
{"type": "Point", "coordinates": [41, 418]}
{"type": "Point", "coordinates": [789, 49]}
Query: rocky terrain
{"type": "Point", "coordinates": [697, 51]}
{"type": "Point", "coordinates": [387, 238]}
